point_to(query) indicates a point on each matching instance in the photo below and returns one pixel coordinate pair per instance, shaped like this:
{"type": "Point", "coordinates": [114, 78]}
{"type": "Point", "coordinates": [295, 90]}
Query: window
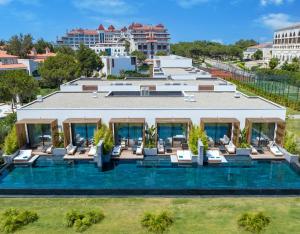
{"type": "Point", "coordinates": [113, 62]}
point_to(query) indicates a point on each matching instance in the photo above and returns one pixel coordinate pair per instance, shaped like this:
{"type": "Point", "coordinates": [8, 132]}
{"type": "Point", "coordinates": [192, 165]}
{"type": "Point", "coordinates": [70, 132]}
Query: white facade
{"type": "Point", "coordinates": [286, 43]}
{"type": "Point", "coordinates": [266, 49]}
{"type": "Point", "coordinates": [111, 49]}
{"type": "Point", "coordinates": [113, 65]}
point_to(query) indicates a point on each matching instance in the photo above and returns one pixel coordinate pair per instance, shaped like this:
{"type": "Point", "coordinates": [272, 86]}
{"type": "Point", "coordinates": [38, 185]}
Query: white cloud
{"type": "Point", "coordinates": [274, 2]}
{"type": "Point", "coordinates": [190, 3]}
{"type": "Point", "coordinates": [26, 2]}
{"type": "Point", "coordinates": [4, 2]}
{"type": "Point", "coordinates": [109, 7]}
{"type": "Point", "coordinates": [218, 41]}
{"type": "Point", "coordinates": [276, 21]}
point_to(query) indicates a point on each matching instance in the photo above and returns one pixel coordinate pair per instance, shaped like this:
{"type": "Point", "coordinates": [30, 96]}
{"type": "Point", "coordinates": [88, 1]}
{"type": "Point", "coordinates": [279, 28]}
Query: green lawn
{"type": "Point", "coordinates": [192, 215]}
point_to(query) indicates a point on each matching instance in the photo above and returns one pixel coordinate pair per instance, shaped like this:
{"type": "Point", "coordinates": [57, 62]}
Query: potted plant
{"type": "Point", "coordinates": [150, 147]}
{"type": "Point", "coordinates": [244, 147]}
{"type": "Point", "coordinates": [11, 148]}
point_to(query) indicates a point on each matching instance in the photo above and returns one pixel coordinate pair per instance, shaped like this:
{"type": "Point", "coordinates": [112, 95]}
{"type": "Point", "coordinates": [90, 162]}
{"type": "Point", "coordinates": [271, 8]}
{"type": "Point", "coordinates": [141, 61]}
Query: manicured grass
{"type": "Point", "coordinates": [192, 215]}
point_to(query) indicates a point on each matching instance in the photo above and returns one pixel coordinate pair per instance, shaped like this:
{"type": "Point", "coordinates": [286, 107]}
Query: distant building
{"type": "Point", "coordinates": [146, 38]}
{"type": "Point", "coordinates": [266, 49]}
{"type": "Point", "coordinates": [286, 43]}
{"type": "Point", "coordinates": [10, 62]}
{"type": "Point", "coordinates": [114, 65]}
{"type": "Point", "coordinates": [110, 49]}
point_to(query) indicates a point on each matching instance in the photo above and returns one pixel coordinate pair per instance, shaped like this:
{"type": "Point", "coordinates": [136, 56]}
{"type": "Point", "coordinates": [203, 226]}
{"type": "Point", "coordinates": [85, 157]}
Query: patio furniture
{"type": "Point", "coordinates": [92, 151]}
{"type": "Point", "coordinates": [124, 144]}
{"type": "Point", "coordinates": [210, 142]}
{"type": "Point", "coordinates": [160, 147]}
{"type": "Point", "coordinates": [185, 146]}
{"type": "Point", "coordinates": [116, 152]}
{"type": "Point", "coordinates": [213, 156]}
{"type": "Point", "coordinates": [71, 149]}
{"type": "Point", "coordinates": [139, 149]}
{"type": "Point", "coordinates": [225, 140]}
{"type": "Point", "coordinates": [222, 149]}
{"type": "Point", "coordinates": [49, 149]}
{"type": "Point", "coordinates": [253, 150]}
{"type": "Point", "coordinates": [24, 155]}
{"type": "Point", "coordinates": [184, 155]}
{"type": "Point", "coordinates": [274, 149]}
{"type": "Point", "coordinates": [230, 148]}
{"type": "Point", "coordinates": [260, 149]}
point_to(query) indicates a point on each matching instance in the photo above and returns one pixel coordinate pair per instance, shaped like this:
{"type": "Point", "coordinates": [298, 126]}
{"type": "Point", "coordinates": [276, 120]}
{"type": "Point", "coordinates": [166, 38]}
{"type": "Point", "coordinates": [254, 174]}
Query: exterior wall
{"type": "Point", "coordinates": [150, 114]}
{"type": "Point", "coordinates": [173, 62]}
{"type": "Point", "coordinates": [30, 64]}
{"type": "Point", "coordinates": [114, 65]}
{"type": "Point", "coordinates": [114, 49]}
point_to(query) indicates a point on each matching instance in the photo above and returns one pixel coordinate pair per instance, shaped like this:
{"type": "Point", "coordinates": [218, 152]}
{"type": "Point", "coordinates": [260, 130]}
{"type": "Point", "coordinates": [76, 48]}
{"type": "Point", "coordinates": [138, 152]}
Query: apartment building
{"type": "Point", "coordinates": [266, 49]}
{"type": "Point", "coordinates": [146, 38]}
{"type": "Point", "coordinates": [286, 43]}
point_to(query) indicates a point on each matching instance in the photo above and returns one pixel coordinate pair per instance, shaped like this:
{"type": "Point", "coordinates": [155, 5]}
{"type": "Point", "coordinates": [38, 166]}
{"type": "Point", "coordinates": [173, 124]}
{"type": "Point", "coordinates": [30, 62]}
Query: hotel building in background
{"type": "Point", "coordinates": [146, 38]}
{"type": "Point", "coordinates": [286, 43]}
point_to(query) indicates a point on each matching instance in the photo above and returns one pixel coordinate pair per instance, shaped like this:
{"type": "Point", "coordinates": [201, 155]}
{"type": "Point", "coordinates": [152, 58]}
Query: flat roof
{"type": "Point", "coordinates": [183, 71]}
{"type": "Point", "coordinates": [149, 81]}
{"type": "Point", "coordinates": [198, 100]}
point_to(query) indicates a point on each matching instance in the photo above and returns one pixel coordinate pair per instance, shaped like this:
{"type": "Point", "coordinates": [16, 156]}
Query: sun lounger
{"type": "Point", "coordinates": [93, 151]}
{"type": "Point", "coordinates": [253, 150]}
{"type": "Point", "coordinates": [71, 149]}
{"type": "Point", "coordinates": [160, 147]}
{"type": "Point", "coordinates": [24, 155]}
{"type": "Point", "coordinates": [184, 155]}
{"type": "Point", "coordinates": [275, 149]}
{"type": "Point", "coordinates": [225, 140]}
{"type": "Point", "coordinates": [230, 148]}
{"type": "Point", "coordinates": [139, 149]}
{"type": "Point", "coordinates": [184, 146]}
{"type": "Point", "coordinates": [116, 151]}
{"type": "Point", "coordinates": [213, 156]}
{"type": "Point", "coordinates": [123, 144]}
{"type": "Point", "coordinates": [49, 150]}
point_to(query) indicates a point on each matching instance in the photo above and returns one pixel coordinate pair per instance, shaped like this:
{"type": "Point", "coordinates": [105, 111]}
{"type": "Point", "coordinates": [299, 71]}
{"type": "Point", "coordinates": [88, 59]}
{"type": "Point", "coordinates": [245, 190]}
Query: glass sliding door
{"type": "Point", "coordinates": [215, 131]}
{"type": "Point", "coordinates": [262, 134]}
{"type": "Point", "coordinates": [172, 133]}
{"type": "Point", "coordinates": [39, 135]}
{"type": "Point", "coordinates": [131, 133]}
{"type": "Point", "coordinates": [83, 134]}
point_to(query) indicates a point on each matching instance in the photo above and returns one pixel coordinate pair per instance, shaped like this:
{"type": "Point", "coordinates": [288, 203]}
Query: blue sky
{"type": "Point", "coordinates": [225, 21]}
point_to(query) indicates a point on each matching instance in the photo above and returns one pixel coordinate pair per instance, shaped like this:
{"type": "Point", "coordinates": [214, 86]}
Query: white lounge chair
{"type": "Point", "coordinates": [230, 148]}
{"type": "Point", "coordinates": [93, 151]}
{"type": "Point", "coordinates": [160, 147]}
{"type": "Point", "coordinates": [275, 149]}
{"type": "Point", "coordinates": [184, 155]}
{"type": "Point", "coordinates": [71, 149]}
{"type": "Point", "coordinates": [116, 150]}
{"type": "Point", "coordinates": [253, 150]}
{"type": "Point", "coordinates": [49, 150]}
{"type": "Point", "coordinates": [225, 140]}
{"type": "Point", "coordinates": [139, 149]}
{"type": "Point", "coordinates": [213, 156]}
{"type": "Point", "coordinates": [24, 155]}
{"type": "Point", "coordinates": [123, 144]}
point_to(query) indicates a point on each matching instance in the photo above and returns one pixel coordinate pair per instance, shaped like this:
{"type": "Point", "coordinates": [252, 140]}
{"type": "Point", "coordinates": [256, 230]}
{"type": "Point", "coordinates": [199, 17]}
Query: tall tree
{"type": "Point", "coordinates": [88, 61]}
{"type": "Point", "coordinates": [244, 44]}
{"type": "Point", "coordinates": [258, 55]}
{"type": "Point", "coordinates": [17, 86]}
{"type": "Point", "coordinates": [141, 57]}
{"type": "Point", "coordinates": [41, 46]}
{"type": "Point", "coordinates": [64, 50]}
{"type": "Point", "coordinates": [273, 63]}
{"type": "Point", "coordinates": [56, 70]}
{"type": "Point", "coordinates": [19, 45]}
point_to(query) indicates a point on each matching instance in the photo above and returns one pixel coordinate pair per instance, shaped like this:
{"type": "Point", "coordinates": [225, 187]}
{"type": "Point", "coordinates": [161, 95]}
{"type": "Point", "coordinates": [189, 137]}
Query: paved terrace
{"type": "Point", "coordinates": [200, 100]}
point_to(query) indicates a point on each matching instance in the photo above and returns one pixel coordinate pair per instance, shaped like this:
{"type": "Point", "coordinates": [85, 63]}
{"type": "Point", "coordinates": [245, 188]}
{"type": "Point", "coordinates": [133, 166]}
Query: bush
{"type": "Point", "coordinates": [157, 223]}
{"type": "Point", "coordinates": [82, 221]}
{"type": "Point", "coordinates": [195, 134]}
{"type": "Point", "coordinates": [11, 142]}
{"type": "Point", "coordinates": [290, 143]}
{"type": "Point", "coordinates": [13, 219]}
{"type": "Point", "coordinates": [105, 134]}
{"type": "Point", "coordinates": [254, 223]}
{"type": "Point", "coordinates": [6, 125]}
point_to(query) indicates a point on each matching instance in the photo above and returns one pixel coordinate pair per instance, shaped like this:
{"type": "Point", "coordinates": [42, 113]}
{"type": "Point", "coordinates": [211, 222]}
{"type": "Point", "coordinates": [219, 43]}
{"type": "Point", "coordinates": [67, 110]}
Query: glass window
{"type": "Point", "coordinates": [39, 135]}
{"type": "Point", "coordinates": [131, 133]}
{"type": "Point", "coordinates": [83, 134]}
{"type": "Point", "coordinates": [262, 133]}
{"type": "Point", "coordinates": [172, 133]}
{"type": "Point", "coordinates": [215, 131]}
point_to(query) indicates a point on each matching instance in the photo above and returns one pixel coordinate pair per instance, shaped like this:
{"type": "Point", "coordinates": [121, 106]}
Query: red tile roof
{"type": "Point", "coordinates": [111, 28]}
{"type": "Point", "coordinates": [101, 27]}
{"type": "Point", "coordinates": [4, 54]}
{"type": "Point", "coordinates": [12, 66]}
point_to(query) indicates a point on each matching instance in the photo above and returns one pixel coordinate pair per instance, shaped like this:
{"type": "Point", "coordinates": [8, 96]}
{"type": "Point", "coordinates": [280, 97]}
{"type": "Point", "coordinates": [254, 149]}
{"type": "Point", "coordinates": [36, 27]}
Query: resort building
{"type": "Point", "coordinates": [132, 106]}
{"type": "Point", "coordinates": [146, 38]}
{"type": "Point", "coordinates": [10, 62]}
{"type": "Point", "coordinates": [110, 49]}
{"type": "Point", "coordinates": [114, 65]}
{"type": "Point", "coordinates": [286, 43]}
{"type": "Point", "coordinates": [266, 49]}
{"type": "Point", "coordinates": [177, 68]}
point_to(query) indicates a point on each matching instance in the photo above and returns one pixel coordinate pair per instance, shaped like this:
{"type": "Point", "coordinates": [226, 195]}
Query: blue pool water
{"type": "Point", "coordinates": [57, 174]}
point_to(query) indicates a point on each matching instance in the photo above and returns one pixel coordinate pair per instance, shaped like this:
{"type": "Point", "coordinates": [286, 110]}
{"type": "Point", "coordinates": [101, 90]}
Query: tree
{"type": "Point", "coordinates": [65, 50]}
{"type": "Point", "coordinates": [244, 44]}
{"type": "Point", "coordinates": [292, 67]}
{"type": "Point", "coordinates": [17, 86]}
{"type": "Point", "coordinates": [161, 53]}
{"type": "Point", "coordinates": [41, 46]}
{"type": "Point", "coordinates": [58, 69]}
{"type": "Point", "coordinates": [2, 43]}
{"type": "Point", "coordinates": [273, 63]}
{"type": "Point", "coordinates": [141, 57]}
{"type": "Point", "coordinates": [88, 61]}
{"type": "Point", "coordinates": [20, 45]}
{"type": "Point", "coordinates": [127, 47]}
{"type": "Point", "coordinates": [258, 55]}
{"type": "Point", "coordinates": [6, 125]}
{"type": "Point", "coordinates": [11, 142]}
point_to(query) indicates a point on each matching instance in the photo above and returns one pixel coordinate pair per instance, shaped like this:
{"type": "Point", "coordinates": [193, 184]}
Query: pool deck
{"type": "Point", "coordinates": [78, 156]}
{"type": "Point", "coordinates": [267, 155]}
{"type": "Point", "coordinates": [128, 155]}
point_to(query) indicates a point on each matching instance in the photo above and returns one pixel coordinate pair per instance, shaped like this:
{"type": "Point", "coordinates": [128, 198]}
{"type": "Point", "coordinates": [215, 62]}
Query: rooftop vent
{"type": "Point", "coordinates": [190, 98]}
{"type": "Point", "coordinates": [237, 95]}
{"type": "Point", "coordinates": [95, 95]}
{"type": "Point", "coordinates": [39, 98]}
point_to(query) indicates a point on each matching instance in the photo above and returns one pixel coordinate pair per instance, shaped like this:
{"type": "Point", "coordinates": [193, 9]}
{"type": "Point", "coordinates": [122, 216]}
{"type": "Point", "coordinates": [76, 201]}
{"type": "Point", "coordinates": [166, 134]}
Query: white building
{"type": "Point", "coordinates": [177, 68]}
{"type": "Point", "coordinates": [110, 49]}
{"type": "Point", "coordinates": [113, 65]}
{"type": "Point", "coordinates": [266, 49]}
{"type": "Point", "coordinates": [286, 43]}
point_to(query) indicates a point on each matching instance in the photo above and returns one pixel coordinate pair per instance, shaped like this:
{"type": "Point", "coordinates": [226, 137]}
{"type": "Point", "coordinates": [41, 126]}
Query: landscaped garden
{"type": "Point", "coordinates": [179, 215]}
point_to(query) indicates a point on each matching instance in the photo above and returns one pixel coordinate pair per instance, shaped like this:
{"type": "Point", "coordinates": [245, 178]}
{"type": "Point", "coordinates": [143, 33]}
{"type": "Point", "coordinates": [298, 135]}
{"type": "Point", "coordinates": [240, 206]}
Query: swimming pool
{"type": "Point", "coordinates": [52, 174]}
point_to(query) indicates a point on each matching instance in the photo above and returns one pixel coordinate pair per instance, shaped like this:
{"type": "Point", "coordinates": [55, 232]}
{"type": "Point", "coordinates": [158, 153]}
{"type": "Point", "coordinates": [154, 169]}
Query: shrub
{"type": "Point", "coordinates": [254, 223]}
{"type": "Point", "coordinates": [105, 134]}
{"type": "Point", "coordinates": [82, 221]}
{"type": "Point", "coordinates": [6, 125]}
{"type": "Point", "coordinates": [195, 134]}
{"type": "Point", "coordinates": [243, 139]}
{"type": "Point", "coordinates": [11, 142]}
{"type": "Point", "coordinates": [290, 143]}
{"type": "Point", "coordinates": [13, 219]}
{"type": "Point", "coordinates": [157, 223]}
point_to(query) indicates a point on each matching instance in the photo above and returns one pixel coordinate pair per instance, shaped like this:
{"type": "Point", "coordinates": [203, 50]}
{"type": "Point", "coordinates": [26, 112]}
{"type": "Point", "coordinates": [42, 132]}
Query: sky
{"type": "Point", "coordinates": [224, 21]}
